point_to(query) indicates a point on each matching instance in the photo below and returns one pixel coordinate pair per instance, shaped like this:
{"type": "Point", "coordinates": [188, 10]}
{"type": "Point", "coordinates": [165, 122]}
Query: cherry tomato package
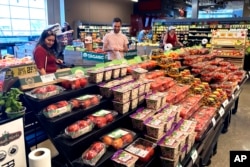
{"type": "Point", "coordinates": [118, 138]}
{"type": "Point", "coordinates": [74, 81]}
{"type": "Point", "coordinates": [79, 128]}
{"type": "Point", "coordinates": [123, 158]}
{"type": "Point", "coordinates": [93, 154]}
{"type": "Point", "coordinates": [57, 109]}
{"type": "Point", "coordinates": [142, 148]}
{"type": "Point", "coordinates": [102, 117]}
{"type": "Point", "coordinates": [85, 101]}
{"type": "Point", "coordinates": [44, 92]}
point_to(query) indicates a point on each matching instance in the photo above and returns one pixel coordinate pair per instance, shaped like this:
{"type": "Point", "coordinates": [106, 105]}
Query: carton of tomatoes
{"type": "Point", "coordinates": [142, 148]}
{"type": "Point", "coordinates": [85, 101]}
{"type": "Point", "coordinates": [74, 81]}
{"type": "Point", "coordinates": [139, 73]}
{"type": "Point", "coordinates": [79, 128]}
{"type": "Point", "coordinates": [102, 117]}
{"type": "Point", "coordinates": [170, 147]}
{"type": "Point", "coordinates": [154, 127]}
{"type": "Point", "coordinates": [123, 158]}
{"type": "Point", "coordinates": [57, 109]}
{"type": "Point", "coordinates": [93, 154]}
{"type": "Point", "coordinates": [96, 75]}
{"type": "Point", "coordinates": [118, 138]}
{"type": "Point", "coordinates": [44, 92]}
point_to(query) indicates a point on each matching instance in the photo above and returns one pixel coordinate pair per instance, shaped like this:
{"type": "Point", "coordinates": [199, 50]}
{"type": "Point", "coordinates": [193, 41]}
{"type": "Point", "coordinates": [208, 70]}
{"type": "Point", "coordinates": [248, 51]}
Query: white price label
{"type": "Point", "coordinates": [225, 103]}
{"type": "Point", "coordinates": [247, 76]}
{"type": "Point", "coordinates": [221, 111]}
{"type": "Point", "coordinates": [237, 87]}
{"type": "Point", "coordinates": [194, 155]}
{"type": "Point", "coordinates": [233, 96]}
{"type": "Point", "coordinates": [214, 121]}
{"type": "Point", "coordinates": [48, 78]}
{"type": "Point", "coordinates": [179, 165]}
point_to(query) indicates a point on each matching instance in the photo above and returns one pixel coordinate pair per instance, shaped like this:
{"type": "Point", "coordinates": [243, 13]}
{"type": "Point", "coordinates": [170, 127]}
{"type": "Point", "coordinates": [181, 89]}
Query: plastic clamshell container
{"type": "Point", "coordinates": [80, 129]}
{"type": "Point", "coordinates": [124, 69]}
{"type": "Point", "coordinates": [44, 92]}
{"type": "Point", "coordinates": [134, 103]}
{"type": "Point", "coordinates": [107, 74]}
{"type": "Point", "coordinates": [134, 92]}
{"type": "Point", "coordinates": [102, 117]}
{"type": "Point", "coordinates": [98, 149]}
{"type": "Point", "coordinates": [89, 100]}
{"type": "Point", "coordinates": [116, 72]}
{"type": "Point", "coordinates": [122, 158]}
{"type": "Point", "coordinates": [139, 73]}
{"type": "Point", "coordinates": [122, 93]}
{"type": "Point", "coordinates": [96, 76]}
{"type": "Point", "coordinates": [142, 148]}
{"type": "Point", "coordinates": [122, 108]}
{"type": "Point", "coordinates": [170, 147]}
{"type": "Point", "coordinates": [153, 102]}
{"type": "Point", "coordinates": [154, 127]}
{"type": "Point", "coordinates": [141, 99]}
{"type": "Point", "coordinates": [118, 138]}
{"type": "Point", "coordinates": [57, 109]}
{"type": "Point", "coordinates": [140, 116]}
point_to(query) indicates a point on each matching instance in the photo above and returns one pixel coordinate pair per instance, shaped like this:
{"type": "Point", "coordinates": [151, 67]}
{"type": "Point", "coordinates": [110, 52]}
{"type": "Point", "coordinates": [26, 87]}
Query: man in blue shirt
{"type": "Point", "coordinates": [143, 35]}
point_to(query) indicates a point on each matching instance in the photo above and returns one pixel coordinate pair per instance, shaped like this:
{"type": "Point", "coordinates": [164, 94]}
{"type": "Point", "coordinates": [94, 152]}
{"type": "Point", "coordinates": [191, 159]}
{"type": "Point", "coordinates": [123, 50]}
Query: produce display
{"type": "Point", "coordinates": [85, 101]}
{"type": "Point", "coordinates": [74, 82]}
{"type": "Point", "coordinates": [12, 61]}
{"type": "Point", "coordinates": [44, 92]}
{"type": "Point", "coordinates": [118, 138]}
{"type": "Point", "coordinates": [79, 128]}
{"type": "Point", "coordinates": [102, 117]}
{"type": "Point", "coordinates": [57, 109]}
{"type": "Point", "coordinates": [93, 154]}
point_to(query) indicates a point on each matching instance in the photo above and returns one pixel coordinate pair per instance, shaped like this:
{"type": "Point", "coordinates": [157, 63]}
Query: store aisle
{"type": "Point", "coordinates": [237, 137]}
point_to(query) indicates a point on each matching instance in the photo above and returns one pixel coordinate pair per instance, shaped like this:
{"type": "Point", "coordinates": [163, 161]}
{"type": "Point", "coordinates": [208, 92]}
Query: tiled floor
{"type": "Point", "coordinates": [237, 137]}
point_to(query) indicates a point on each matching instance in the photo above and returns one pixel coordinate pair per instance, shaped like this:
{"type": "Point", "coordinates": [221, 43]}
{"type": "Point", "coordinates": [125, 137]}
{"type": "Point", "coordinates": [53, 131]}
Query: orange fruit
{"type": "Point", "coordinates": [117, 143]}
{"type": "Point", "coordinates": [107, 140]}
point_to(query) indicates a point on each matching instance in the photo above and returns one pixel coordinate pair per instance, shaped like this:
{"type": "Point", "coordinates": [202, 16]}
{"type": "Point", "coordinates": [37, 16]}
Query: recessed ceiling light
{"type": "Point", "coordinates": [134, 0]}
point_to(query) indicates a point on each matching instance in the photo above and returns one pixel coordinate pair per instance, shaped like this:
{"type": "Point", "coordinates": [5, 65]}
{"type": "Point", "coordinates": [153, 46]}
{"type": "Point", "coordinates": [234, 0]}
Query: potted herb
{"type": "Point", "coordinates": [11, 103]}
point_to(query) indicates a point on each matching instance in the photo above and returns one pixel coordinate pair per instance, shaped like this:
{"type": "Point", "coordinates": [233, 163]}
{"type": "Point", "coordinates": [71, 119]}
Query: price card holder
{"type": "Point", "coordinates": [214, 121]}
{"type": "Point", "coordinates": [247, 76]}
{"type": "Point", "coordinates": [233, 96]}
{"type": "Point", "coordinates": [221, 111]}
{"type": "Point", "coordinates": [225, 103]}
{"type": "Point", "coordinates": [194, 155]}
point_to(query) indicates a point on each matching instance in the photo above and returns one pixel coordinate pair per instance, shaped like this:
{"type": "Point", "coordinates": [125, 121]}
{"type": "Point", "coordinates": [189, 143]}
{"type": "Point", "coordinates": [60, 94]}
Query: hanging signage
{"type": "Point", "coordinates": [12, 147]}
{"type": "Point", "coordinates": [23, 70]}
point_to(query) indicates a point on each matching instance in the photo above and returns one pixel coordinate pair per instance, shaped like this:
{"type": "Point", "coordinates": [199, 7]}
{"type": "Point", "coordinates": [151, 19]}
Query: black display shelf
{"type": "Point", "coordinates": [54, 126]}
{"type": "Point", "coordinates": [38, 104]}
{"type": "Point", "coordinates": [73, 147]}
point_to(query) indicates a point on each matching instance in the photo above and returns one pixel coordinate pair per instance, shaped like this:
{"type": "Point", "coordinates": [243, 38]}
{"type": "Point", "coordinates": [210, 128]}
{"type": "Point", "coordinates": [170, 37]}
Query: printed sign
{"type": "Point", "coordinates": [12, 147]}
{"type": "Point", "coordinates": [23, 70]}
{"type": "Point", "coordinates": [90, 56]}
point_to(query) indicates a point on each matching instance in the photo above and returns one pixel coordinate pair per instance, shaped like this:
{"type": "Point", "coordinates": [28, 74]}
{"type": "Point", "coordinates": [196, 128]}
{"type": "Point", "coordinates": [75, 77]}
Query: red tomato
{"type": "Point", "coordinates": [82, 123]}
{"type": "Point", "coordinates": [109, 117]}
{"type": "Point", "coordinates": [51, 107]}
{"type": "Point", "coordinates": [86, 103]}
{"type": "Point", "coordinates": [128, 138]}
{"type": "Point", "coordinates": [40, 90]}
{"type": "Point", "coordinates": [50, 88]}
{"type": "Point", "coordinates": [97, 146]}
{"type": "Point", "coordinates": [90, 154]}
{"type": "Point", "coordinates": [83, 82]}
{"type": "Point", "coordinates": [61, 104]}
{"type": "Point", "coordinates": [94, 100]}
{"type": "Point", "coordinates": [73, 128]}
{"type": "Point", "coordinates": [150, 150]}
{"type": "Point", "coordinates": [75, 84]}
{"type": "Point", "coordinates": [66, 84]}
{"type": "Point", "coordinates": [92, 118]}
{"type": "Point", "coordinates": [100, 121]}
{"type": "Point", "coordinates": [75, 103]}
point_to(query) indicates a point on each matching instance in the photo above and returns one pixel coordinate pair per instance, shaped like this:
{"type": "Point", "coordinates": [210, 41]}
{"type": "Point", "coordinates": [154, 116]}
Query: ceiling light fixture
{"type": "Point", "coordinates": [134, 0]}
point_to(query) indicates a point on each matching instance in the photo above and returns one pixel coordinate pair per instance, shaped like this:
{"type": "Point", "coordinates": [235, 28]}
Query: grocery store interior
{"type": "Point", "coordinates": [158, 103]}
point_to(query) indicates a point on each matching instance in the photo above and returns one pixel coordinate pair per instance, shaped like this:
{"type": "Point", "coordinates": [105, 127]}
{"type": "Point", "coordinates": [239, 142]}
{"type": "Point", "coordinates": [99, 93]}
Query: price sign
{"type": "Point", "coordinates": [221, 111]}
{"type": "Point", "coordinates": [194, 155]}
{"type": "Point", "coordinates": [48, 78]}
{"type": "Point", "coordinates": [237, 87]}
{"type": "Point", "coordinates": [225, 103]}
{"type": "Point", "coordinates": [214, 121]}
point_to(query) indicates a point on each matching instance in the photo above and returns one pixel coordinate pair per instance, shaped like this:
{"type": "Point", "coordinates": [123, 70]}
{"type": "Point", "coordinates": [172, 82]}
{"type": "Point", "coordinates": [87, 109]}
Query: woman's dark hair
{"type": "Point", "coordinates": [44, 35]}
{"type": "Point", "coordinates": [67, 27]}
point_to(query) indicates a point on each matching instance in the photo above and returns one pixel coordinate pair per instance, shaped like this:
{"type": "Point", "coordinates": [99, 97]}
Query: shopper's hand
{"type": "Point", "coordinates": [59, 61]}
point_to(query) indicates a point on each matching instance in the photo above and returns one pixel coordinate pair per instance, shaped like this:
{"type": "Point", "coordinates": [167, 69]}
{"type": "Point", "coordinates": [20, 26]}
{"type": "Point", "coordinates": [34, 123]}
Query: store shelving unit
{"type": "Point", "coordinates": [230, 45]}
{"type": "Point", "coordinates": [198, 33]}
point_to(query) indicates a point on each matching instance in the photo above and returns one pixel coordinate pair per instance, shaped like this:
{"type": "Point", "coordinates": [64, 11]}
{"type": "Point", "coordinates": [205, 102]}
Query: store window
{"type": "Point", "coordinates": [22, 17]}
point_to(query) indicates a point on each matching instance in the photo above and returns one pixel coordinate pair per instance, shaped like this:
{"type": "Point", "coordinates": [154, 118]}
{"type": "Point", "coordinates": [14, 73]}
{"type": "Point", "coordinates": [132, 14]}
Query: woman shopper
{"type": "Point", "coordinates": [45, 53]}
{"type": "Point", "coordinates": [171, 37]}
